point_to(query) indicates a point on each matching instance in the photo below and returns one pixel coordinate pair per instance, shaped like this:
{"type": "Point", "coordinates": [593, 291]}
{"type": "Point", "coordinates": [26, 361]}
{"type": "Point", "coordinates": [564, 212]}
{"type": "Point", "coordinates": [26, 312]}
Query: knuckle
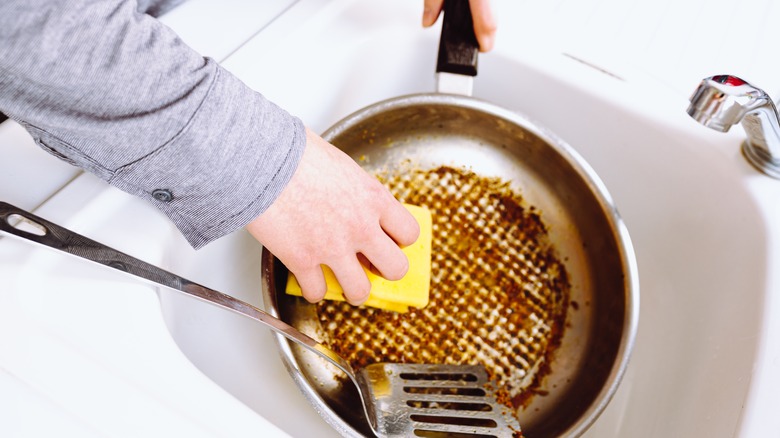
{"type": "Point", "coordinates": [299, 261]}
{"type": "Point", "coordinates": [357, 292]}
{"type": "Point", "coordinates": [313, 287]}
{"type": "Point", "coordinates": [395, 268]}
{"type": "Point", "coordinates": [314, 294]}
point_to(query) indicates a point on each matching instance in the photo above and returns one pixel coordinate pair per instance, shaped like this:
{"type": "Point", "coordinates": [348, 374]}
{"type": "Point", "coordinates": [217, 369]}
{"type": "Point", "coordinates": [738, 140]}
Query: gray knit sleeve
{"type": "Point", "coordinates": [117, 93]}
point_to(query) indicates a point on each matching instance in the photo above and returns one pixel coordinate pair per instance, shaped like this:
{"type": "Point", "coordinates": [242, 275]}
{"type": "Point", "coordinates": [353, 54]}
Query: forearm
{"type": "Point", "coordinates": [118, 94]}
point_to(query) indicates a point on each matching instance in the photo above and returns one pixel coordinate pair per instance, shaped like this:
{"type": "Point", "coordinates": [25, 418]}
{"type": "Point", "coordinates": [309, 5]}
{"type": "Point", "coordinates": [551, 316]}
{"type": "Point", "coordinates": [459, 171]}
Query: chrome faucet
{"type": "Point", "coordinates": [725, 100]}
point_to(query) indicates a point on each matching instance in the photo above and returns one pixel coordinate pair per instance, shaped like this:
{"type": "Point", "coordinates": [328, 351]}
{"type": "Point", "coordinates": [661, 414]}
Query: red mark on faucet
{"type": "Point", "coordinates": [729, 80]}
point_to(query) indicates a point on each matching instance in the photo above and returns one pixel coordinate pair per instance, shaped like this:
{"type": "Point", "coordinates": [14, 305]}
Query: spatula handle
{"type": "Point", "coordinates": [26, 226]}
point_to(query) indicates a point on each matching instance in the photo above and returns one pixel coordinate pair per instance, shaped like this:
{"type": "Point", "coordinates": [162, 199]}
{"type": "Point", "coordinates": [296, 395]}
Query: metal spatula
{"type": "Point", "coordinates": [398, 399]}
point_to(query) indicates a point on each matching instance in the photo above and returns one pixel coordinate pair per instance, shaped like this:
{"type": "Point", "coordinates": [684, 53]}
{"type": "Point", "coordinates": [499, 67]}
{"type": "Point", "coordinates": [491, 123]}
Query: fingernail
{"type": "Point", "coordinates": [358, 303]}
{"type": "Point", "coordinates": [428, 18]}
{"type": "Point", "coordinates": [486, 43]}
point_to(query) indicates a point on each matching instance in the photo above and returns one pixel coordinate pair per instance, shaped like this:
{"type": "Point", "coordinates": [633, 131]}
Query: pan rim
{"type": "Point", "coordinates": [626, 256]}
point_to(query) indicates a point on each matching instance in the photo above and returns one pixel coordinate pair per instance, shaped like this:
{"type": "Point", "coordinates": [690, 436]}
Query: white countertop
{"type": "Point", "coordinates": [98, 359]}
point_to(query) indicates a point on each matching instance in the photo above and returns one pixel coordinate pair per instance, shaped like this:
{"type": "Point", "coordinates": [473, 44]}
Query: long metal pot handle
{"type": "Point", "coordinates": [28, 227]}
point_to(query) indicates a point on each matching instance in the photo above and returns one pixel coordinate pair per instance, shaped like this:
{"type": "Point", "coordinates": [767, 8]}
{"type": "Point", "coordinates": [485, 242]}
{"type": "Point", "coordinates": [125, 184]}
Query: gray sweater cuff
{"type": "Point", "coordinates": [225, 168]}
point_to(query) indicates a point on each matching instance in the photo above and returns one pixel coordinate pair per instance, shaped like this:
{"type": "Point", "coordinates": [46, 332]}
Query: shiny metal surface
{"type": "Point", "coordinates": [454, 84]}
{"type": "Point", "coordinates": [21, 224]}
{"type": "Point", "coordinates": [429, 396]}
{"type": "Point", "coordinates": [382, 387]}
{"type": "Point", "coordinates": [430, 130]}
{"type": "Point", "coordinates": [724, 100]}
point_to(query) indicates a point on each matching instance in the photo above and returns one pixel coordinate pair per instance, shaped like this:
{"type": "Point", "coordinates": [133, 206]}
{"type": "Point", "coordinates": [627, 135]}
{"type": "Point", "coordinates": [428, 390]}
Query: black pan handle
{"type": "Point", "coordinates": [458, 46]}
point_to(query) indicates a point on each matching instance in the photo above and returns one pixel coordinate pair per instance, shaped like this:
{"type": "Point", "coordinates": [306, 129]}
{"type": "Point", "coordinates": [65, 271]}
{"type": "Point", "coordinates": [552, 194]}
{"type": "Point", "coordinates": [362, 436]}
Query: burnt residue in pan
{"type": "Point", "coordinates": [499, 294]}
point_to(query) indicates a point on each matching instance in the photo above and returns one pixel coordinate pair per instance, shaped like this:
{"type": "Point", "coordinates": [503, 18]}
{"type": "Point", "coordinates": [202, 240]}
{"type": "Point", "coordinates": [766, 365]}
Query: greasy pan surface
{"type": "Point", "coordinates": [431, 130]}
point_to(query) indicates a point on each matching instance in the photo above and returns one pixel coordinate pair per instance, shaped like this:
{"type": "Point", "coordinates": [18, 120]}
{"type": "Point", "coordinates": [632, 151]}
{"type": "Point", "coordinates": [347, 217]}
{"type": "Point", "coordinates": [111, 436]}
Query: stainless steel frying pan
{"type": "Point", "coordinates": [425, 131]}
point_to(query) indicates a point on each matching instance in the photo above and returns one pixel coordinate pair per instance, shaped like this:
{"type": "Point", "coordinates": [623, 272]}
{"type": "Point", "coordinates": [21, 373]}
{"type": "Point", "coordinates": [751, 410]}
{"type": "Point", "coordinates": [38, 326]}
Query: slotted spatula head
{"type": "Point", "coordinates": [434, 401]}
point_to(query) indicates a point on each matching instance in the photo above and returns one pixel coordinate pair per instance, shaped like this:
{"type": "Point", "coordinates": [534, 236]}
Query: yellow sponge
{"type": "Point", "coordinates": [412, 290]}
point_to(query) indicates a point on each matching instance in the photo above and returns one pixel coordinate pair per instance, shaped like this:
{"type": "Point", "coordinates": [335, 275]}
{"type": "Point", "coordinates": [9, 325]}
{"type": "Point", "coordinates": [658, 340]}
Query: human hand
{"type": "Point", "coordinates": [484, 23]}
{"type": "Point", "coordinates": [334, 213]}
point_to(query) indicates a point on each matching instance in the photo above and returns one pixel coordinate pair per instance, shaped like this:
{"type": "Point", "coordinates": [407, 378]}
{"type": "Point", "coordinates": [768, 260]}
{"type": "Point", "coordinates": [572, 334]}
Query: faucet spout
{"type": "Point", "coordinates": [724, 100]}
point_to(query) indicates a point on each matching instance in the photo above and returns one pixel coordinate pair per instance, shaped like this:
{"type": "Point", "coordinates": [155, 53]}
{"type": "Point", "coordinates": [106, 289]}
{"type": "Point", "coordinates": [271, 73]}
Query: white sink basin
{"type": "Point", "coordinates": [702, 238]}
{"type": "Point", "coordinates": [705, 228]}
